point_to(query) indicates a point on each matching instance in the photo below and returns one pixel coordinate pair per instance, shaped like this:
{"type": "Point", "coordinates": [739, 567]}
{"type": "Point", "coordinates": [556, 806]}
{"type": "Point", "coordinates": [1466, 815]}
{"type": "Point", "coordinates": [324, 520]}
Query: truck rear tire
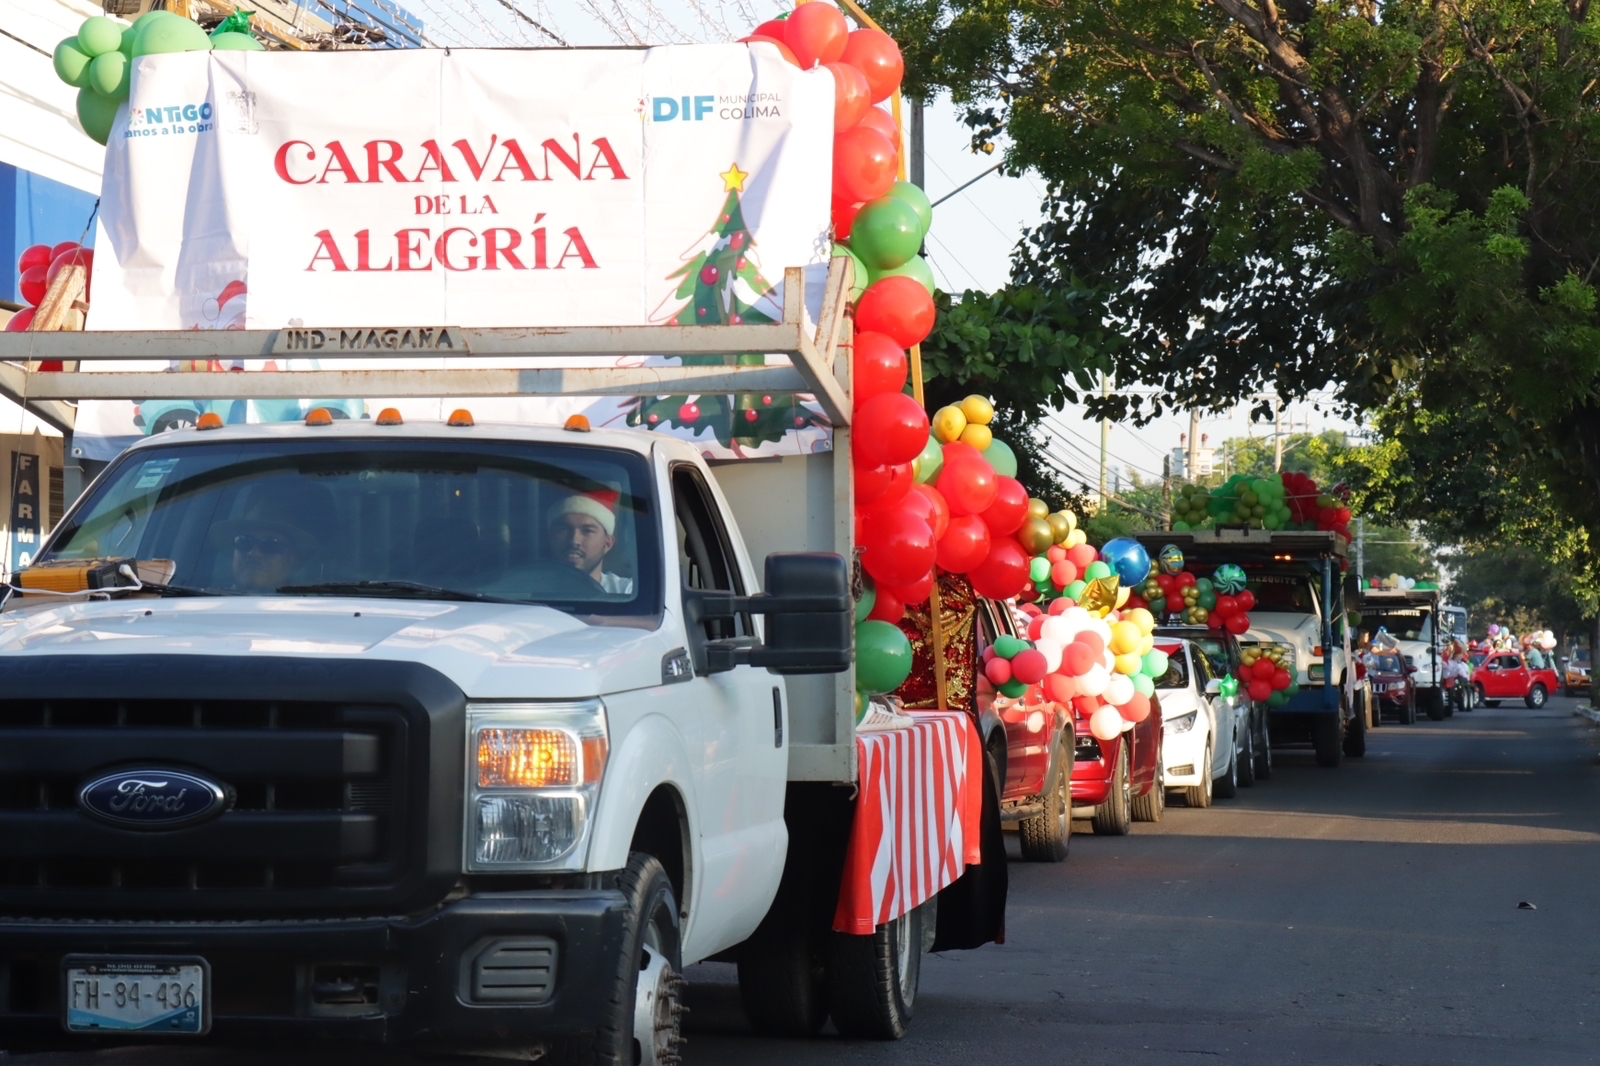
{"type": "Point", "coordinates": [1536, 697]}
{"type": "Point", "coordinates": [1437, 708]}
{"type": "Point", "coordinates": [1047, 835]}
{"type": "Point", "coordinates": [1355, 737]}
{"type": "Point", "coordinates": [646, 1002]}
{"type": "Point", "coordinates": [1114, 816]}
{"type": "Point", "coordinates": [783, 977]}
{"type": "Point", "coordinates": [1327, 735]}
{"type": "Point", "coordinates": [872, 980]}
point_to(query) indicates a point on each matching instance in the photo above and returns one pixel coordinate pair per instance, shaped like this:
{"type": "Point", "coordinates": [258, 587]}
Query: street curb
{"type": "Point", "coordinates": [1589, 713]}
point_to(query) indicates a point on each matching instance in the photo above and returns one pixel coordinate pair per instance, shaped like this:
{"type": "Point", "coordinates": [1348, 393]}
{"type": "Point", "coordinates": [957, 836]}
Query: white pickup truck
{"type": "Point", "coordinates": [442, 733]}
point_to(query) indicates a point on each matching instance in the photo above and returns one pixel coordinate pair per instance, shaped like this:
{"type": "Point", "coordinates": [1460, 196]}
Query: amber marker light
{"type": "Point", "coordinates": [209, 420]}
{"type": "Point", "coordinates": [460, 417]}
{"type": "Point", "coordinates": [319, 417]}
{"type": "Point", "coordinates": [576, 424]}
{"type": "Point", "coordinates": [389, 416]}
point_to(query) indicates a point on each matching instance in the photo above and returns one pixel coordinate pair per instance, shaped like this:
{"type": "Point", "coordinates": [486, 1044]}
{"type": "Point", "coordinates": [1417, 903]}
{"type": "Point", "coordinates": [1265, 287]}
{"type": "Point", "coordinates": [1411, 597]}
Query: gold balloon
{"type": "Point", "coordinates": [1100, 595]}
{"type": "Point", "coordinates": [1035, 535]}
{"type": "Point", "coordinates": [1038, 508]}
{"type": "Point", "coordinates": [1059, 530]}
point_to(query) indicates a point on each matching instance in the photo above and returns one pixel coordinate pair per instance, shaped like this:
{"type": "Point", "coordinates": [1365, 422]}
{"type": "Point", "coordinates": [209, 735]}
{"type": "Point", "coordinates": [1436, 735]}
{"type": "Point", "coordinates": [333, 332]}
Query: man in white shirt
{"type": "Point", "coordinates": [582, 531]}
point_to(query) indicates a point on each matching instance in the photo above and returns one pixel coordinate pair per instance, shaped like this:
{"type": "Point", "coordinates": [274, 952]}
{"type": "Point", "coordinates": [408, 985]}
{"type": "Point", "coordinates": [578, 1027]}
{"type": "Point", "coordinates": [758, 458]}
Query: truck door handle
{"type": "Point", "coordinates": [777, 718]}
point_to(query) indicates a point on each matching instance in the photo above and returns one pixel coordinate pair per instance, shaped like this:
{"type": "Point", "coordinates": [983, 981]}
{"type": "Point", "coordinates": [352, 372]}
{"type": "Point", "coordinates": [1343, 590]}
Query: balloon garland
{"type": "Point", "coordinates": [1286, 501]}
{"type": "Point", "coordinates": [37, 267]}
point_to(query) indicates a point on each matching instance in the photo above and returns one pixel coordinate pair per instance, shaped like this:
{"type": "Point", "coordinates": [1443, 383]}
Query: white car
{"type": "Point", "coordinates": [1204, 733]}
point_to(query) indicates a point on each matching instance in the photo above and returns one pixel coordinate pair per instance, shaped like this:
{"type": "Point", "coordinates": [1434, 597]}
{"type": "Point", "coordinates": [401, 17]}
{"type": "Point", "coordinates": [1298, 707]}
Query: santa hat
{"type": "Point", "coordinates": [598, 504]}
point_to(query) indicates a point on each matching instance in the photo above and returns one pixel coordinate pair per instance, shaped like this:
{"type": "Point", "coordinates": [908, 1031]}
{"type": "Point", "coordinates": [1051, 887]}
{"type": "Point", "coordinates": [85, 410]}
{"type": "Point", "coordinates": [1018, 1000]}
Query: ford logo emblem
{"type": "Point", "coordinates": [152, 799]}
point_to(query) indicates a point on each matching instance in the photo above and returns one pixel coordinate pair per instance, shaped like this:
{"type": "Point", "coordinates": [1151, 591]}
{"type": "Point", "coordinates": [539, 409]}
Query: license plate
{"type": "Point", "coordinates": [154, 996]}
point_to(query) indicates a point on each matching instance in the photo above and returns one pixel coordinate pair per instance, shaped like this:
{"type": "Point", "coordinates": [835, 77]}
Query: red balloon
{"type": "Point", "coordinates": [898, 306]}
{"type": "Point", "coordinates": [783, 49]}
{"type": "Point", "coordinates": [959, 452]}
{"type": "Point", "coordinates": [1237, 624]}
{"type": "Point", "coordinates": [1166, 581]}
{"type": "Point", "coordinates": [864, 165]}
{"type": "Point", "coordinates": [1029, 666]}
{"type": "Point", "coordinates": [887, 607]}
{"type": "Point", "coordinates": [878, 364]}
{"type": "Point", "coordinates": [75, 254]}
{"type": "Point", "coordinates": [1281, 679]}
{"type": "Point", "coordinates": [878, 57]}
{"type": "Point", "coordinates": [1077, 659]}
{"type": "Point", "coordinates": [1004, 573]}
{"type": "Point", "coordinates": [64, 246]}
{"type": "Point", "coordinates": [1035, 625]}
{"type": "Point", "coordinates": [1055, 553]}
{"type": "Point", "coordinates": [1260, 691]}
{"type": "Point", "coordinates": [871, 482]}
{"type": "Point", "coordinates": [19, 321]}
{"type": "Point", "coordinates": [1057, 688]}
{"type": "Point", "coordinates": [916, 592]}
{"type": "Point", "coordinates": [1246, 599]}
{"type": "Point", "coordinates": [844, 216]}
{"type": "Point", "coordinates": [897, 547]}
{"type": "Point", "coordinates": [1215, 620]}
{"type": "Point", "coordinates": [33, 256]}
{"type": "Point", "coordinates": [1264, 669]}
{"type": "Point", "coordinates": [878, 119]}
{"type": "Point", "coordinates": [1227, 605]}
{"type": "Point", "coordinates": [1064, 573]}
{"type": "Point", "coordinates": [897, 484]}
{"type": "Point", "coordinates": [1092, 641]}
{"type": "Point", "coordinates": [927, 503]}
{"type": "Point", "coordinates": [773, 28]}
{"type": "Point", "coordinates": [32, 284]}
{"type": "Point", "coordinates": [1009, 508]}
{"type": "Point", "coordinates": [964, 545]}
{"type": "Point", "coordinates": [1085, 706]}
{"type": "Point", "coordinates": [997, 670]}
{"type": "Point", "coordinates": [1137, 709]}
{"type": "Point", "coordinates": [850, 102]}
{"type": "Point", "coordinates": [1082, 556]}
{"type": "Point", "coordinates": [890, 427]}
{"type": "Point", "coordinates": [1185, 579]}
{"type": "Point", "coordinates": [818, 33]}
{"type": "Point", "coordinates": [968, 486]}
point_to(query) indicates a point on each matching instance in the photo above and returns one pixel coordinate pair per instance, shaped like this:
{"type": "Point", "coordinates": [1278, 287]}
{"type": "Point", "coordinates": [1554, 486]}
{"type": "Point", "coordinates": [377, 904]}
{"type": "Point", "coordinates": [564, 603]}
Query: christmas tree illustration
{"type": "Point", "coordinates": [720, 284]}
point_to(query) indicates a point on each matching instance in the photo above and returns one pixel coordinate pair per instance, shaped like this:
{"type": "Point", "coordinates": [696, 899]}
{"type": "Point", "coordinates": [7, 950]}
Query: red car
{"type": "Point", "coordinates": [1393, 686]}
{"type": "Point", "coordinates": [1116, 782]}
{"type": "Point", "coordinates": [1506, 675]}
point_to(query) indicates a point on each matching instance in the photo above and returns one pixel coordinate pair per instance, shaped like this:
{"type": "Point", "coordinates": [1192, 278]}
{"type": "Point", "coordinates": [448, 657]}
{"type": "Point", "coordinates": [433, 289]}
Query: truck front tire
{"type": "Point", "coordinates": [1536, 697]}
{"type": "Point", "coordinates": [1047, 835]}
{"type": "Point", "coordinates": [1327, 735]}
{"type": "Point", "coordinates": [873, 979]}
{"type": "Point", "coordinates": [1355, 737]}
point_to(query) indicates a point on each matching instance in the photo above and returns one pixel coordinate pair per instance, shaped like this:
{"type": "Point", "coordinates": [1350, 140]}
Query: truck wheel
{"type": "Point", "coordinates": [1200, 795]}
{"type": "Point", "coordinates": [1536, 696]}
{"type": "Point", "coordinates": [1327, 732]}
{"type": "Point", "coordinates": [647, 993]}
{"type": "Point", "coordinates": [1047, 835]}
{"type": "Point", "coordinates": [1150, 806]}
{"type": "Point", "coordinates": [1114, 817]}
{"type": "Point", "coordinates": [1408, 709]}
{"type": "Point", "coordinates": [1227, 786]}
{"type": "Point", "coordinates": [873, 979]}
{"type": "Point", "coordinates": [1263, 747]}
{"type": "Point", "coordinates": [783, 977]}
{"type": "Point", "coordinates": [1355, 737]}
{"type": "Point", "coordinates": [1438, 708]}
{"type": "Point", "coordinates": [1247, 760]}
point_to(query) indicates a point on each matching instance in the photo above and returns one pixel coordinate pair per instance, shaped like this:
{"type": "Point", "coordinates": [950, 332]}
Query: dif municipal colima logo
{"type": "Point", "coordinates": [738, 107]}
{"type": "Point", "coordinates": [169, 121]}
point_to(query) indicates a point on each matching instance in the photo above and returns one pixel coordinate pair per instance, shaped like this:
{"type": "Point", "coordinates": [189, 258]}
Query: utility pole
{"type": "Point", "coordinates": [914, 164]}
{"type": "Point", "coordinates": [1192, 460]}
{"type": "Point", "coordinates": [1105, 435]}
{"type": "Point", "coordinates": [1277, 433]}
{"type": "Point", "coordinates": [1166, 488]}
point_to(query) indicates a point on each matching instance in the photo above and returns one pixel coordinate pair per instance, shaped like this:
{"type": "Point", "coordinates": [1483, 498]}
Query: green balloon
{"type": "Point", "coordinates": [1154, 664]}
{"type": "Point", "coordinates": [1007, 646]}
{"type": "Point", "coordinates": [171, 34]}
{"type": "Point", "coordinates": [1096, 570]}
{"type": "Point", "coordinates": [96, 113]}
{"type": "Point", "coordinates": [1014, 689]}
{"type": "Point", "coordinates": [99, 35]}
{"type": "Point", "coordinates": [1207, 599]}
{"type": "Point", "coordinates": [930, 461]}
{"type": "Point", "coordinates": [108, 75]}
{"type": "Point", "coordinates": [1074, 591]}
{"type": "Point", "coordinates": [886, 233]}
{"type": "Point", "coordinates": [1143, 685]}
{"type": "Point", "coordinates": [858, 278]}
{"type": "Point", "coordinates": [904, 190]}
{"type": "Point", "coordinates": [916, 268]}
{"type": "Point", "coordinates": [883, 656]}
{"type": "Point", "coordinates": [235, 42]}
{"type": "Point", "coordinates": [1001, 457]}
{"type": "Point", "coordinates": [72, 65]}
{"type": "Point", "coordinates": [1038, 568]}
{"type": "Point", "coordinates": [869, 598]}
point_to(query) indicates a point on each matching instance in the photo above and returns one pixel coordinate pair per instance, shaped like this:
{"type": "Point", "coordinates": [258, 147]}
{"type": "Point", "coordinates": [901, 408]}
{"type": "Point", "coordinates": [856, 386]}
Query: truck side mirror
{"type": "Point", "coordinates": [809, 619]}
{"type": "Point", "coordinates": [1214, 687]}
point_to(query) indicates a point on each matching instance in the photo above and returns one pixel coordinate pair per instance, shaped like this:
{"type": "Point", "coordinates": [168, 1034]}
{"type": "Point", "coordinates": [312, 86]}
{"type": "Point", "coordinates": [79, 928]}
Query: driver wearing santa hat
{"type": "Point", "coordinates": [582, 530]}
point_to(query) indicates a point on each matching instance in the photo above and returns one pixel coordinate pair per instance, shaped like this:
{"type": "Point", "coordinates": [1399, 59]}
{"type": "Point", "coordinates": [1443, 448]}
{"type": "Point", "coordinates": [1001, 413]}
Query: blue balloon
{"type": "Point", "coordinates": [1127, 559]}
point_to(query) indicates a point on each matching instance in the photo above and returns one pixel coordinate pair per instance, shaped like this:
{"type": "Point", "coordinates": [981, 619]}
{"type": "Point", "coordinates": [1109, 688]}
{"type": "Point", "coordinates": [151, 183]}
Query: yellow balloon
{"type": "Point", "coordinates": [948, 422]}
{"type": "Point", "coordinates": [1037, 508]}
{"type": "Point", "coordinates": [1128, 664]}
{"type": "Point", "coordinates": [977, 409]}
{"type": "Point", "coordinates": [1124, 638]}
{"type": "Point", "coordinates": [1147, 644]}
{"type": "Point", "coordinates": [1078, 537]}
{"type": "Point", "coordinates": [977, 434]}
{"type": "Point", "coordinates": [1072, 519]}
{"type": "Point", "coordinates": [1141, 618]}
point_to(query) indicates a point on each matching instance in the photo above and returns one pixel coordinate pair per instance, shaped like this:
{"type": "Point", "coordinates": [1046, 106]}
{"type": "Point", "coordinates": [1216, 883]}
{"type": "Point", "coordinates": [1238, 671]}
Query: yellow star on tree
{"type": "Point", "coordinates": [733, 179]}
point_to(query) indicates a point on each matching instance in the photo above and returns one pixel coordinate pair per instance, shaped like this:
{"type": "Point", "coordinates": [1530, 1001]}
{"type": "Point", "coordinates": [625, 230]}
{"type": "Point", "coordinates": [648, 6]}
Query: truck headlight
{"type": "Point", "coordinates": [1182, 723]}
{"type": "Point", "coordinates": [533, 776]}
{"type": "Point", "coordinates": [1314, 672]}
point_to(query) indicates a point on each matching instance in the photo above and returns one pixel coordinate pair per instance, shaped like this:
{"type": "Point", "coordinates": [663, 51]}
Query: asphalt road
{"type": "Point", "coordinates": [1368, 914]}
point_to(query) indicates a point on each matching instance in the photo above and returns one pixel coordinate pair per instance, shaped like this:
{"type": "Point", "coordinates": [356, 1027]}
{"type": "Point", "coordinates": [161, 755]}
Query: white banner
{"type": "Point", "coordinates": [463, 187]}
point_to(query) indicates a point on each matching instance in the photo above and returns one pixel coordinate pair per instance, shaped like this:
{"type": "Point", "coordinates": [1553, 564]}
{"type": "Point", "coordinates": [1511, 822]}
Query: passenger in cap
{"type": "Point", "coordinates": [582, 531]}
{"type": "Point", "coordinates": [273, 540]}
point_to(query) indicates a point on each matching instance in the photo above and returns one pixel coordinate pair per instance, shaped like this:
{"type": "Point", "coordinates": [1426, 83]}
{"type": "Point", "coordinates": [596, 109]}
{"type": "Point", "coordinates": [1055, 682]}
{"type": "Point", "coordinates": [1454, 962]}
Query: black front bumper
{"type": "Point", "coordinates": [270, 979]}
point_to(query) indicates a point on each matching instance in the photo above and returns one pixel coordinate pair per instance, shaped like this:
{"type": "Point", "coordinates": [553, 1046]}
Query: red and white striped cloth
{"type": "Point", "coordinates": [916, 821]}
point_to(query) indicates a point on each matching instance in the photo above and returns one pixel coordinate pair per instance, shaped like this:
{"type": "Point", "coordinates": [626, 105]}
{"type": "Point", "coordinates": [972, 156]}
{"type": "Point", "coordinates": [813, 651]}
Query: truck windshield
{"type": "Point", "coordinates": [514, 521]}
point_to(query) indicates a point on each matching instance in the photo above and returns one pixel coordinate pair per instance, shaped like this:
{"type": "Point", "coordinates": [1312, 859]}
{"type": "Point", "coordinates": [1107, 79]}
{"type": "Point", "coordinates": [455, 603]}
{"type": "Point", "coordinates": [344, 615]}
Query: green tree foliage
{"type": "Point", "coordinates": [1517, 586]}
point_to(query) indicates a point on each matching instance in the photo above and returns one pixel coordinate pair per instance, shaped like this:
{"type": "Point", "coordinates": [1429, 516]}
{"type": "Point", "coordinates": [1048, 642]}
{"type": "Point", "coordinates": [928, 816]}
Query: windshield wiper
{"type": "Point", "coordinates": [169, 590]}
{"type": "Point", "coordinates": [401, 589]}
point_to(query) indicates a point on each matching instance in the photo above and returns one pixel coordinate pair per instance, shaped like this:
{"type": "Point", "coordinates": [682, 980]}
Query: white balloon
{"type": "Point", "coordinates": [1119, 689]}
{"type": "Point", "coordinates": [1106, 723]}
{"type": "Point", "coordinates": [1051, 650]}
{"type": "Point", "coordinates": [1077, 620]}
{"type": "Point", "coordinates": [1094, 682]}
{"type": "Point", "coordinates": [1057, 628]}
